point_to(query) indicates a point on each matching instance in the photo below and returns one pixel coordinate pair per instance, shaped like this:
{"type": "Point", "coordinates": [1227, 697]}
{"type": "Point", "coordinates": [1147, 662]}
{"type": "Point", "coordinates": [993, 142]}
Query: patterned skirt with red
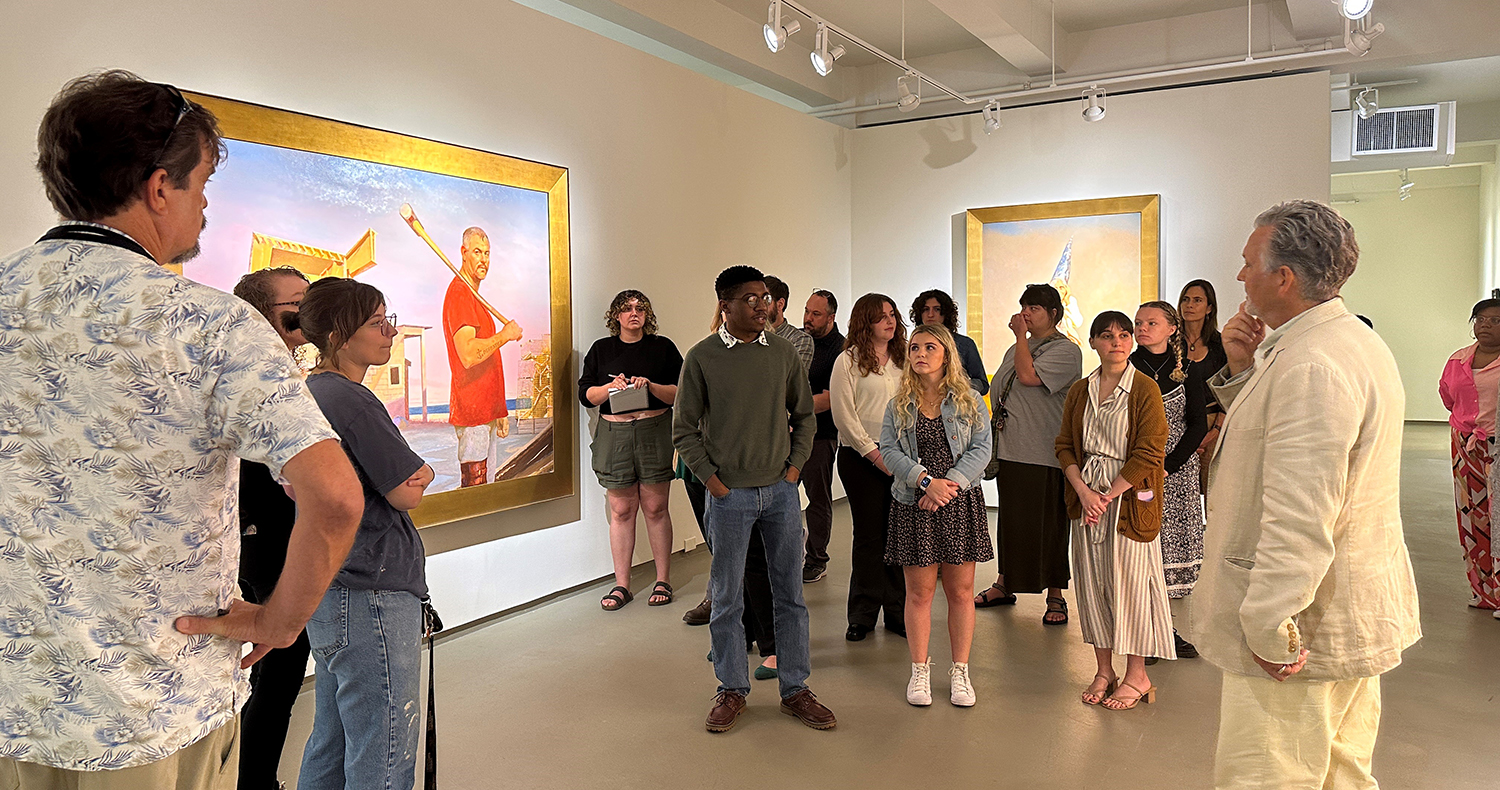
{"type": "Point", "coordinates": [1471, 491]}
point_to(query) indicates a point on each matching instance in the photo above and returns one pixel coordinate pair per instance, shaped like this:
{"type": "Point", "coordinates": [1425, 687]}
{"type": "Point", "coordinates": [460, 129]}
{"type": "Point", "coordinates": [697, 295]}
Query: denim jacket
{"type": "Point", "coordinates": [969, 443]}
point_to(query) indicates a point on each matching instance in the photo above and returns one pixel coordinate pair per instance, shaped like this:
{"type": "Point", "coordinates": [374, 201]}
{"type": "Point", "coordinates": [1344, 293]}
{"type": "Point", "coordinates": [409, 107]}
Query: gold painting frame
{"type": "Point", "coordinates": [1147, 206]}
{"type": "Point", "coordinates": [254, 123]}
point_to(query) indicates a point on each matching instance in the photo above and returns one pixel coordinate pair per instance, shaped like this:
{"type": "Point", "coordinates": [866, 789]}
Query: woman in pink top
{"type": "Point", "coordinates": [1470, 389]}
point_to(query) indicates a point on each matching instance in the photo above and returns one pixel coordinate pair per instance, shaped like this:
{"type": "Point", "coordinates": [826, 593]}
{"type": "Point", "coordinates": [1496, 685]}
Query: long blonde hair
{"type": "Point", "coordinates": [955, 382]}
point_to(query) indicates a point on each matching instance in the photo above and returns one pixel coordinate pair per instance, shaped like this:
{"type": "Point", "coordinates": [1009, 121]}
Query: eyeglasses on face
{"type": "Point", "coordinates": [1486, 320]}
{"type": "Point", "coordinates": [297, 303]}
{"type": "Point", "coordinates": [754, 299]}
{"type": "Point", "coordinates": [387, 323]}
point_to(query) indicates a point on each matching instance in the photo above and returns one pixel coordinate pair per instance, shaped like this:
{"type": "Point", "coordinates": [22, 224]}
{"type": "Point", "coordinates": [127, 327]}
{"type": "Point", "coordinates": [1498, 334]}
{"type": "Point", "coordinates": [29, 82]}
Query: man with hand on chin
{"type": "Point", "coordinates": [1307, 594]}
{"type": "Point", "coordinates": [738, 387]}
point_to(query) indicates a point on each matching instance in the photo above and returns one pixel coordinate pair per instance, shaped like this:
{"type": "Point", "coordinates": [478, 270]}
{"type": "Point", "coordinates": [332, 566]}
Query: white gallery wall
{"type": "Point", "coordinates": [1420, 269]}
{"type": "Point", "coordinates": [673, 176]}
{"type": "Point", "coordinates": [1218, 155]}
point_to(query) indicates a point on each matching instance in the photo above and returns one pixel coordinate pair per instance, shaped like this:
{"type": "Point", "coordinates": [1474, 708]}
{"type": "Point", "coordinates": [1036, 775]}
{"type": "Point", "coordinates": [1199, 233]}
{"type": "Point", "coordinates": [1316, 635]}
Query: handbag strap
{"type": "Point", "coordinates": [1010, 381]}
{"type": "Point", "coordinates": [431, 624]}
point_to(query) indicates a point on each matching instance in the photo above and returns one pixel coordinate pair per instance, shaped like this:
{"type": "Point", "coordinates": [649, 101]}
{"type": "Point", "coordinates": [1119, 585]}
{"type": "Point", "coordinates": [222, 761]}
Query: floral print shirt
{"type": "Point", "coordinates": [127, 395]}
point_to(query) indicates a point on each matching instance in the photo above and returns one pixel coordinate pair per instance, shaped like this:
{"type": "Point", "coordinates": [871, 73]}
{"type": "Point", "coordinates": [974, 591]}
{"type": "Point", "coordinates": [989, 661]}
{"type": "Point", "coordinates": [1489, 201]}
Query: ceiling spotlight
{"type": "Point", "coordinates": [1361, 35]}
{"type": "Point", "coordinates": [1355, 9]}
{"type": "Point", "coordinates": [1406, 185]}
{"type": "Point", "coordinates": [823, 55]}
{"type": "Point", "coordinates": [1093, 104]}
{"type": "Point", "coordinates": [776, 32]}
{"type": "Point", "coordinates": [906, 101]}
{"type": "Point", "coordinates": [991, 115]}
{"type": "Point", "coordinates": [1367, 103]}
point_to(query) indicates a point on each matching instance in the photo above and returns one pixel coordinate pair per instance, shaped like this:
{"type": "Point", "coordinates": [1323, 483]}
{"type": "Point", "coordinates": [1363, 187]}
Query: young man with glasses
{"type": "Point", "coordinates": [739, 387]}
{"type": "Point", "coordinates": [131, 390]}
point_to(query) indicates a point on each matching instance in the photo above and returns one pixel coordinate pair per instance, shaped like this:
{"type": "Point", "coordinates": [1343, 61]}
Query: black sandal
{"type": "Point", "coordinates": [619, 595]}
{"type": "Point", "coordinates": [1056, 606]}
{"type": "Point", "coordinates": [660, 589]}
{"type": "Point", "coordinates": [1005, 598]}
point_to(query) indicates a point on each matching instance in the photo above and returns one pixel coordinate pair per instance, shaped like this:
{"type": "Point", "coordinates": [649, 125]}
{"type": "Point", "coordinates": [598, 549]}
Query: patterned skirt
{"type": "Point", "coordinates": [1471, 493]}
{"type": "Point", "coordinates": [1181, 508]}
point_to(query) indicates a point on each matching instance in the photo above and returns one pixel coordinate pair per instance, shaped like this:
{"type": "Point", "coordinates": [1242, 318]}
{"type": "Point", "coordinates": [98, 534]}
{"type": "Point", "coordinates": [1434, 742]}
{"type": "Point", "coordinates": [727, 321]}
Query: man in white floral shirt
{"type": "Point", "coordinates": [127, 393]}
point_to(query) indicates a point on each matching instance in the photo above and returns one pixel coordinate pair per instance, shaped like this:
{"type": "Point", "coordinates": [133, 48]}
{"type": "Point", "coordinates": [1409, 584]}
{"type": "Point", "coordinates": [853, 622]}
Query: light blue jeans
{"type": "Point", "coordinates": [777, 510]}
{"type": "Point", "coordinates": [367, 646]}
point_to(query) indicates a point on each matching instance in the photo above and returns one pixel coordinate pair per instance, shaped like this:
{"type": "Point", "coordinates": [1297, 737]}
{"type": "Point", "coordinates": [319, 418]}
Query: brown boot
{"type": "Point", "coordinates": [472, 473]}
{"type": "Point", "coordinates": [726, 709]}
{"type": "Point", "coordinates": [806, 707]}
{"type": "Point", "coordinates": [700, 614]}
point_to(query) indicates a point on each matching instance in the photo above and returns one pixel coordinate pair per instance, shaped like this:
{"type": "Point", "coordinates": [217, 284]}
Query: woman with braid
{"type": "Point", "coordinates": [1161, 353]}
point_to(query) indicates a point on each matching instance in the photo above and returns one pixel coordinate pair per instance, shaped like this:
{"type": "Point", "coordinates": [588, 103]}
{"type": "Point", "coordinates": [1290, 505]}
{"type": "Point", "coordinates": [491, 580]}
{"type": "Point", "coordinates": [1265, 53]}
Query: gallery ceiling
{"type": "Point", "coordinates": [1010, 48]}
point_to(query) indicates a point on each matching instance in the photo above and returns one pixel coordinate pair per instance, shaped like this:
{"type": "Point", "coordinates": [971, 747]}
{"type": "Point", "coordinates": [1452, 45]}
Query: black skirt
{"type": "Point", "coordinates": [1032, 529]}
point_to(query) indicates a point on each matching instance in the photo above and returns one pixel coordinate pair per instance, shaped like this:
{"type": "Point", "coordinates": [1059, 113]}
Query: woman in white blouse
{"type": "Point", "coordinates": [865, 378]}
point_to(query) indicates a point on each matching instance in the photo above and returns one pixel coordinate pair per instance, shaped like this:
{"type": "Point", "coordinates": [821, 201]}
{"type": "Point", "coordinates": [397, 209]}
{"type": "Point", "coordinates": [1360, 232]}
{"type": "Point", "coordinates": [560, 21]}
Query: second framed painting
{"type": "Point", "coordinates": [1100, 254]}
{"type": "Point", "coordinates": [467, 246]}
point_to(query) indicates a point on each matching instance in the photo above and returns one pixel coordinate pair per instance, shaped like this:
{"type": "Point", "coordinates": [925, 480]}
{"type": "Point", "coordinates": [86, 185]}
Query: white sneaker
{"type": "Point", "coordinates": [963, 691]}
{"type": "Point", "coordinates": [919, 688]}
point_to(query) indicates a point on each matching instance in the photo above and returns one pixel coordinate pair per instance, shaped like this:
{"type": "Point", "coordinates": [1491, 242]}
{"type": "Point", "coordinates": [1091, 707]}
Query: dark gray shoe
{"type": "Point", "coordinates": [813, 573]}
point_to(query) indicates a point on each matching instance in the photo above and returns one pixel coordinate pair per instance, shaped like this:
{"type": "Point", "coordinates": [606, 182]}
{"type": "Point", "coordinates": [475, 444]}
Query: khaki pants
{"type": "Point", "coordinates": [210, 764]}
{"type": "Point", "coordinates": [1296, 735]}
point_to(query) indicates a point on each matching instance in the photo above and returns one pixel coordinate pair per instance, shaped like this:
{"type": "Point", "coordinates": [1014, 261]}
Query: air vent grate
{"type": "Point", "coordinates": [1396, 130]}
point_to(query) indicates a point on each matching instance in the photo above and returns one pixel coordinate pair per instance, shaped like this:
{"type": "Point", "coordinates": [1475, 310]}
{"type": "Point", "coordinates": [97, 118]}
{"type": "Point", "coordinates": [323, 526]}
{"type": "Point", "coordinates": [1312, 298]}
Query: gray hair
{"type": "Point", "coordinates": [1314, 242]}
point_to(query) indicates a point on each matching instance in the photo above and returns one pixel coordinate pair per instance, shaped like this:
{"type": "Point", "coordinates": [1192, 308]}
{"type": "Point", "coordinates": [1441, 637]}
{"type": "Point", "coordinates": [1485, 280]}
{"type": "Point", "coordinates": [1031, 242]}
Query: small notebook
{"type": "Point", "coordinates": [628, 400]}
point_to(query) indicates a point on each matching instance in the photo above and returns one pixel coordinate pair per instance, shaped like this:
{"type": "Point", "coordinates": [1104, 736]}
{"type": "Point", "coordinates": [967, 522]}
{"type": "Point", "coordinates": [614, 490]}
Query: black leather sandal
{"type": "Point", "coordinates": [984, 600]}
{"type": "Point", "coordinates": [1056, 606]}
{"type": "Point", "coordinates": [615, 600]}
{"type": "Point", "coordinates": [658, 590]}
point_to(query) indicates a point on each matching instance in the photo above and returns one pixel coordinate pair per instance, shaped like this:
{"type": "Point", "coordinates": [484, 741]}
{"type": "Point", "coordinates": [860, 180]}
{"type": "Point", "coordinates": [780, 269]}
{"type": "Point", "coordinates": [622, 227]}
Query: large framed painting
{"type": "Point", "coordinates": [462, 243]}
{"type": "Point", "coordinates": [1100, 254]}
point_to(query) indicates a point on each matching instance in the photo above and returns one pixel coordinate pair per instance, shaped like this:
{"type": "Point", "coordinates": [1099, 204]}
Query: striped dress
{"type": "Point", "coordinates": [1120, 587]}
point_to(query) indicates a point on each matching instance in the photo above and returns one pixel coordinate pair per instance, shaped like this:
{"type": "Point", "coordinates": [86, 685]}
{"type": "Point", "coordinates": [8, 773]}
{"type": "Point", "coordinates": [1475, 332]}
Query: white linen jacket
{"type": "Point", "coordinates": [1304, 545]}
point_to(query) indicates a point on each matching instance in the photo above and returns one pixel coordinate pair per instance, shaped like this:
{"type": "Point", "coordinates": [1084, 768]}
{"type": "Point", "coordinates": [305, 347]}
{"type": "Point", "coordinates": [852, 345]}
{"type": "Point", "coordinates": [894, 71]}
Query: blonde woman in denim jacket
{"type": "Point", "coordinates": [936, 441]}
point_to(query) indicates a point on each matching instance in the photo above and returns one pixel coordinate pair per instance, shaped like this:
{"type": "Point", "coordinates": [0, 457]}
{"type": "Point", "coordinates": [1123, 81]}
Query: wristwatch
{"type": "Point", "coordinates": [926, 480]}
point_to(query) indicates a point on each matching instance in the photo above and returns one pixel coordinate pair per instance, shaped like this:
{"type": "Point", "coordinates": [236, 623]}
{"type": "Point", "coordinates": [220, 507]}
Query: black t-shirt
{"type": "Point", "coordinates": [653, 356]}
{"type": "Point", "coordinates": [387, 553]}
{"type": "Point", "coordinates": [826, 349]}
{"type": "Point", "coordinates": [266, 518]}
{"type": "Point", "coordinates": [1195, 412]}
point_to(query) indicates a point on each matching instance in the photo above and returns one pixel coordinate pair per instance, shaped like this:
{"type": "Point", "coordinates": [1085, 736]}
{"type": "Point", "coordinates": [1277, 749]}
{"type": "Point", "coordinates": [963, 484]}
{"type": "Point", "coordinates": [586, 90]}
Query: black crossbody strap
{"type": "Point", "coordinates": [429, 780]}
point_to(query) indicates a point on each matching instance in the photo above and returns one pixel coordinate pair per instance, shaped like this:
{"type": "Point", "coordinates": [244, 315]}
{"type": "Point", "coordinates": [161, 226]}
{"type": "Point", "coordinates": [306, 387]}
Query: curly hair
{"type": "Point", "coordinates": [945, 304]}
{"type": "Point", "coordinates": [1177, 344]}
{"type": "Point", "coordinates": [621, 301]}
{"type": "Point", "coordinates": [860, 341]}
{"type": "Point", "coordinates": [955, 383]}
{"type": "Point", "coordinates": [258, 287]}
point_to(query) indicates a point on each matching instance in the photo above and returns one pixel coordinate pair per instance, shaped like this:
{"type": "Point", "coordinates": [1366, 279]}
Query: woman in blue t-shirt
{"type": "Point", "coordinates": [366, 635]}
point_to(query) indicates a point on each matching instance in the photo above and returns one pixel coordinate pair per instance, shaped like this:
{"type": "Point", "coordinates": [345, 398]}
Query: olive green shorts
{"type": "Point", "coordinates": [630, 453]}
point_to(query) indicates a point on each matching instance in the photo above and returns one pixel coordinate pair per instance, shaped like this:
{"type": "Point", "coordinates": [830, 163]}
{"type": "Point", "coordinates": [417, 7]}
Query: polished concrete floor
{"type": "Point", "coordinates": [564, 695]}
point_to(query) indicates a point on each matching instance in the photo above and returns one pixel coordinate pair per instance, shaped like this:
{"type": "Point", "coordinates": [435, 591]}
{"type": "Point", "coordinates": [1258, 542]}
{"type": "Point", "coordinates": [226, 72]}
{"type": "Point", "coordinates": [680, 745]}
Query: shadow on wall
{"type": "Point", "coordinates": [841, 149]}
{"type": "Point", "coordinates": [949, 141]}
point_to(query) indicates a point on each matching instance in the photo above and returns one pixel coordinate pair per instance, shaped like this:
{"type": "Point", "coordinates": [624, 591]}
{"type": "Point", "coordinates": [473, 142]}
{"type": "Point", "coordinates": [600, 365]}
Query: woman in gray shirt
{"type": "Point", "coordinates": [1028, 393]}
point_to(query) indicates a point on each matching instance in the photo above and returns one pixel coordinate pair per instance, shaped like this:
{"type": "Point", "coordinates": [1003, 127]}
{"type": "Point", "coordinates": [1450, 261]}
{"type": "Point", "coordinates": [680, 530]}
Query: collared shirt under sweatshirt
{"type": "Point", "coordinates": [744, 411]}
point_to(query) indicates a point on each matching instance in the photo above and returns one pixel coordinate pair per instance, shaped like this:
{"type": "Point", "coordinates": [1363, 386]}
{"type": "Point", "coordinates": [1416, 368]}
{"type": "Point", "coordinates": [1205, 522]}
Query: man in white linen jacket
{"type": "Point", "coordinates": [1307, 594]}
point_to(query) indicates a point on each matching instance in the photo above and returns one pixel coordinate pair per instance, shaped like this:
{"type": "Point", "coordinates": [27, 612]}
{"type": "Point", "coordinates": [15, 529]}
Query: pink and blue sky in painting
{"type": "Point", "coordinates": [329, 202]}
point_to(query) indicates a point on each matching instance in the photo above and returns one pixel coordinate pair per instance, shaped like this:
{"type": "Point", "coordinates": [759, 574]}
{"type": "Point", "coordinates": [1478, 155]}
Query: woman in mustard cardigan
{"type": "Point", "coordinates": [1111, 448]}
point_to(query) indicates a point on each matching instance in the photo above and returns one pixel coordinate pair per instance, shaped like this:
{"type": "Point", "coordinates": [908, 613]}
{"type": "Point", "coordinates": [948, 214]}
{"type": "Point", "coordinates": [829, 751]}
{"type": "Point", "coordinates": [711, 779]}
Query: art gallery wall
{"type": "Point", "coordinates": [673, 176]}
{"type": "Point", "coordinates": [1217, 155]}
{"type": "Point", "coordinates": [1420, 269]}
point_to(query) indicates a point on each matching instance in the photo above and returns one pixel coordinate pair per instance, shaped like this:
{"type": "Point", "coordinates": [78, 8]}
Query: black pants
{"type": "Point", "coordinates": [275, 682]}
{"type": "Point", "coordinates": [760, 623]}
{"type": "Point", "coordinates": [873, 585]}
{"type": "Point", "coordinates": [817, 480]}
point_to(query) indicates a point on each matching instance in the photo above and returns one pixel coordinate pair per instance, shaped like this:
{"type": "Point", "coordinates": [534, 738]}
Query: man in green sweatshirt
{"type": "Point", "coordinates": [744, 425]}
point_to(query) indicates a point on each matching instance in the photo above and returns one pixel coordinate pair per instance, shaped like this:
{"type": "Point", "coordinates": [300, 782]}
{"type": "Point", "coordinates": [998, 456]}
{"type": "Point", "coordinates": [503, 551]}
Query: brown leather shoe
{"type": "Point", "coordinates": [726, 709]}
{"type": "Point", "coordinates": [700, 614]}
{"type": "Point", "coordinates": [806, 707]}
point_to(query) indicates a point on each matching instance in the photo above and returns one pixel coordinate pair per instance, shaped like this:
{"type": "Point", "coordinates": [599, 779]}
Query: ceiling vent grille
{"type": "Point", "coordinates": [1397, 130]}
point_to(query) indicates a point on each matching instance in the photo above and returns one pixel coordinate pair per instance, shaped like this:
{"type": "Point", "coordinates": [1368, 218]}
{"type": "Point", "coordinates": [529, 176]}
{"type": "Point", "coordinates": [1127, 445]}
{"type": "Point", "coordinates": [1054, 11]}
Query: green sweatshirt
{"type": "Point", "coordinates": [732, 411]}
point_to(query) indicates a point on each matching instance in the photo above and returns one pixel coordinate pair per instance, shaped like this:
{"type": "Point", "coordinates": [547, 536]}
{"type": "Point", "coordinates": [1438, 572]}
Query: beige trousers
{"type": "Point", "coordinates": [210, 764]}
{"type": "Point", "coordinates": [1296, 735]}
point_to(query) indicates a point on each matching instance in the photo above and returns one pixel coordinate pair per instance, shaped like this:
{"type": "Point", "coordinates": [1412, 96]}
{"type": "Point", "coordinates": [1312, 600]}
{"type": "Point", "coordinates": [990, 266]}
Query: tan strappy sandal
{"type": "Point", "coordinates": [1148, 696]}
{"type": "Point", "coordinates": [1094, 698]}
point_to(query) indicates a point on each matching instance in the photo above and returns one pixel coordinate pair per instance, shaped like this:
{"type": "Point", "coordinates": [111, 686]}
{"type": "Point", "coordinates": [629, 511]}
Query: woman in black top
{"type": "Point", "coordinates": [631, 377]}
{"type": "Point", "coordinates": [1199, 308]}
{"type": "Point", "coordinates": [1162, 355]}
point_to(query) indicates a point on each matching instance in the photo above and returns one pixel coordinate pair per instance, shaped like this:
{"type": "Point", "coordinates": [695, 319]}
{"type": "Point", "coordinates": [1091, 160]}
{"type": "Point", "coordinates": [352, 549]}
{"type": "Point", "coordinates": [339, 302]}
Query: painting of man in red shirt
{"type": "Point", "coordinates": [477, 409]}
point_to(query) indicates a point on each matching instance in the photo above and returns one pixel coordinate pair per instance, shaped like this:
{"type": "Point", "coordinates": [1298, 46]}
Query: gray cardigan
{"type": "Point", "coordinates": [969, 443]}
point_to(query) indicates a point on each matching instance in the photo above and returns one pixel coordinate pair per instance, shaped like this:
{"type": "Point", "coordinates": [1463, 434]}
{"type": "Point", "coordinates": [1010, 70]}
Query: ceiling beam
{"type": "Point", "coordinates": [1020, 31]}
